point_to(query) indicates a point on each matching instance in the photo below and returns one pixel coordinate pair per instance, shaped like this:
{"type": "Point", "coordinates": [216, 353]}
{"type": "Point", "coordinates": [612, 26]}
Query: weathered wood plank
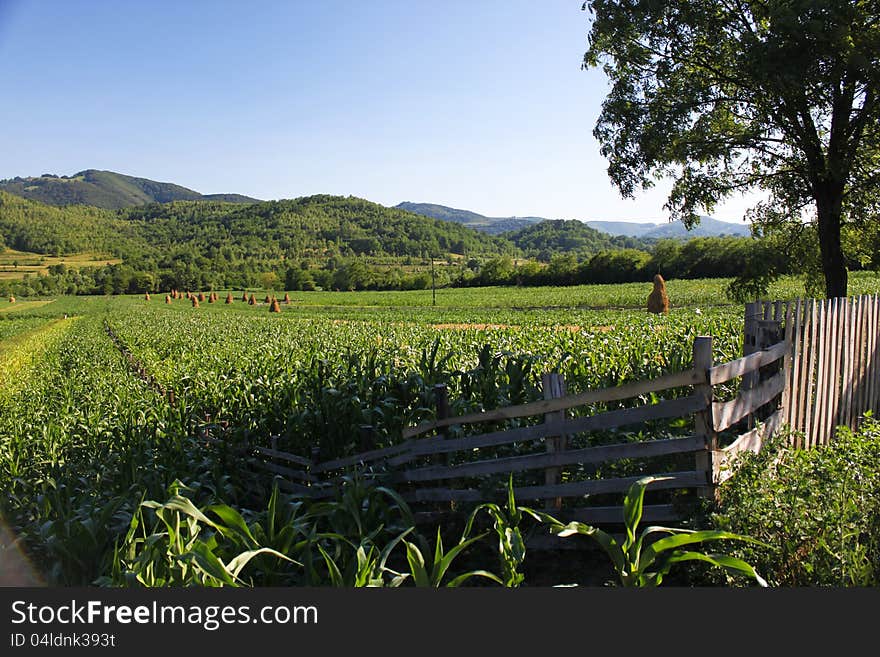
{"type": "Point", "coordinates": [873, 364]}
{"type": "Point", "coordinates": [835, 345]}
{"type": "Point", "coordinates": [788, 360]}
{"type": "Point", "coordinates": [726, 414]}
{"type": "Point", "coordinates": [281, 470]}
{"type": "Point", "coordinates": [626, 391]}
{"type": "Point", "coordinates": [688, 479]}
{"type": "Point", "coordinates": [296, 489]}
{"type": "Point", "coordinates": [861, 358]}
{"type": "Point", "coordinates": [283, 456]}
{"type": "Point", "coordinates": [601, 421]}
{"type": "Point", "coordinates": [836, 365]}
{"type": "Point", "coordinates": [751, 441]}
{"type": "Point", "coordinates": [703, 423]}
{"type": "Point", "coordinates": [846, 364]}
{"type": "Point", "coordinates": [651, 513]}
{"type": "Point", "coordinates": [810, 405]}
{"type": "Point", "coordinates": [600, 454]}
{"type": "Point", "coordinates": [366, 457]}
{"type": "Point", "coordinates": [822, 373]}
{"type": "Point", "coordinates": [752, 362]}
{"type": "Point", "coordinates": [554, 387]}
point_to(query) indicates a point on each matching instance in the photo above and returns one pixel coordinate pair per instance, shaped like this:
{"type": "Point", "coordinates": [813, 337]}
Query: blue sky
{"type": "Point", "coordinates": [476, 104]}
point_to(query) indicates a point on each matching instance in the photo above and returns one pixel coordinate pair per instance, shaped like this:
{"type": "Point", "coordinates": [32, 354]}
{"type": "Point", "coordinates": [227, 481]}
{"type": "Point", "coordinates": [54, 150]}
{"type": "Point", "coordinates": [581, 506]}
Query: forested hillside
{"type": "Point", "coordinates": [105, 189]}
{"type": "Point", "coordinates": [198, 244]}
{"type": "Point", "coordinates": [348, 243]}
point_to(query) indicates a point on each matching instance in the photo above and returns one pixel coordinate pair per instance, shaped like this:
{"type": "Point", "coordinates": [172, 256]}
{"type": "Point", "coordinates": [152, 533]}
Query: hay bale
{"type": "Point", "coordinates": [229, 298]}
{"type": "Point", "coordinates": [167, 298]}
{"type": "Point", "coordinates": [287, 298]}
{"type": "Point", "coordinates": [253, 300]}
{"type": "Point", "coordinates": [146, 296]}
{"type": "Point", "coordinates": [268, 299]}
{"type": "Point", "coordinates": [11, 299]}
{"type": "Point", "coordinates": [244, 297]}
{"type": "Point", "coordinates": [201, 296]}
{"type": "Point", "coordinates": [275, 307]}
{"type": "Point", "coordinates": [658, 301]}
{"type": "Point", "coordinates": [195, 302]}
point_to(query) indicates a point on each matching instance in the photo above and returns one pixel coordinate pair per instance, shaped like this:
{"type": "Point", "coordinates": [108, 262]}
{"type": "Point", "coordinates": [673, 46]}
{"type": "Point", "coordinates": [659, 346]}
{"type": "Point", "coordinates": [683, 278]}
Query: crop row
{"type": "Point", "coordinates": [313, 382]}
{"type": "Point", "coordinates": [80, 445]}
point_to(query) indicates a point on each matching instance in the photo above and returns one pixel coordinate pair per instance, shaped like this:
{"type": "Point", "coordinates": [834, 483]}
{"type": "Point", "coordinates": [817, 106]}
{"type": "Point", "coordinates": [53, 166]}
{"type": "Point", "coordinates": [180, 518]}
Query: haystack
{"type": "Point", "coordinates": [658, 301]}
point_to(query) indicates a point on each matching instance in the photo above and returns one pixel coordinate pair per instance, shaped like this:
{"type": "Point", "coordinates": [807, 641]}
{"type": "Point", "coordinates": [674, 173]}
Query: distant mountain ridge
{"type": "Point", "coordinates": [708, 227]}
{"type": "Point", "coordinates": [492, 225]}
{"type": "Point", "coordinates": [107, 189]}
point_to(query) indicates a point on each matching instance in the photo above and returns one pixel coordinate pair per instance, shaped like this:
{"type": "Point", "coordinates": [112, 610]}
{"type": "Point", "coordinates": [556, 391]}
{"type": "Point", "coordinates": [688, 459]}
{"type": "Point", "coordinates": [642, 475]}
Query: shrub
{"type": "Point", "coordinates": [818, 509]}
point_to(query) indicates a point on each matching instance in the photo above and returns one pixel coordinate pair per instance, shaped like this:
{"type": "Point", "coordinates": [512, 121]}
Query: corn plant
{"type": "Point", "coordinates": [185, 547]}
{"type": "Point", "coordinates": [643, 563]}
{"type": "Point", "coordinates": [431, 573]}
{"type": "Point", "coordinates": [369, 568]}
{"type": "Point", "coordinates": [506, 522]}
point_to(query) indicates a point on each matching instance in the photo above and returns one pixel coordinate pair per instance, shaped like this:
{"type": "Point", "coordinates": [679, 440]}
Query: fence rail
{"type": "Point", "coordinates": [808, 364]}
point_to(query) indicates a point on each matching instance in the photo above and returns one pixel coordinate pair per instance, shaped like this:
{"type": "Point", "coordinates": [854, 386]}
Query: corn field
{"type": "Point", "coordinates": [110, 477]}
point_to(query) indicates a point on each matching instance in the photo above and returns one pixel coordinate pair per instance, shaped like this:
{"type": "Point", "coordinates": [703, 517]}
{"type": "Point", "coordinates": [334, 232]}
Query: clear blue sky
{"type": "Point", "coordinates": [476, 104]}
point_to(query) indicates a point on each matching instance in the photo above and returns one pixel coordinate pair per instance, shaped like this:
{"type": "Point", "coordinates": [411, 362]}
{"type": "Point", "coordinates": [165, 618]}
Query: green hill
{"type": "Point", "coordinates": [199, 244]}
{"type": "Point", "coordinates": [553, 236]}
{"type": "Point", "coordinates": [105, 189]}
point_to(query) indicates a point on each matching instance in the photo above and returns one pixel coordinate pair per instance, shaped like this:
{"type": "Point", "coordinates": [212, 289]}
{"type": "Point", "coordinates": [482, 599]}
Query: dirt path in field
{"type": "Point", "coordinates": [137, 367]}
{"type": "Point", "coordinates": [571, 328]}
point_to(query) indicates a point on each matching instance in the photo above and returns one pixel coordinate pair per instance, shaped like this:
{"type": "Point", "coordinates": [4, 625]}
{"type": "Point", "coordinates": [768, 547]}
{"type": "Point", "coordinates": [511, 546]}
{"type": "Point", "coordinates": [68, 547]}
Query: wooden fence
{"type": "Point", "coordinates": [811, 365]}
{"type": "Point", "coordinates": [446, 463]}
{"type": "Point", "coordinates": [833, 369]}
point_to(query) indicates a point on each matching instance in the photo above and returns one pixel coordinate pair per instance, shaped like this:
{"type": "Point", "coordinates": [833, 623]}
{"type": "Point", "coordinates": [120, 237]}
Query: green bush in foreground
{"type": "Point", "coordinates": [817, 509]}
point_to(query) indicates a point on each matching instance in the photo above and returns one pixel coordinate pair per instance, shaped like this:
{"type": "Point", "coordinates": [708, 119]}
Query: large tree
{"type": "Point", "coordinates": [725, 96]}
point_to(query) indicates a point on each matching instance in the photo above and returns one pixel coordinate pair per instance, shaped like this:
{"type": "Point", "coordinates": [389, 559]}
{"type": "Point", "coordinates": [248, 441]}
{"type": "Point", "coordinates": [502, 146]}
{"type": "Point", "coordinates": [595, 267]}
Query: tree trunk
{"type": "Point", "coordinates": [829, 202]}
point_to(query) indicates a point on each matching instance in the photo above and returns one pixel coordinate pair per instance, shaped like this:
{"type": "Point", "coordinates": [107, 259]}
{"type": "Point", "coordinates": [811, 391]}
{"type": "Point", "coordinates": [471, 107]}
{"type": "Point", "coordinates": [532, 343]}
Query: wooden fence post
{"type": "Point", "coordinates": [554, 388]}
{"type": "Point", "coordinates": [368, 439]}
{"type": "Point", "coordinates": [441, 404]}
{"type": "Point", "coordinates": [441, 401]}
{"type": "Point", "coordinates": [703, 424]}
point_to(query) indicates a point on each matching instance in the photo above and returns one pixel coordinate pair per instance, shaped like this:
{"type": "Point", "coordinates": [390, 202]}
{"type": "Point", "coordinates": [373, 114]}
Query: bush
{"type": "Point", "coordinates": [819, 509]}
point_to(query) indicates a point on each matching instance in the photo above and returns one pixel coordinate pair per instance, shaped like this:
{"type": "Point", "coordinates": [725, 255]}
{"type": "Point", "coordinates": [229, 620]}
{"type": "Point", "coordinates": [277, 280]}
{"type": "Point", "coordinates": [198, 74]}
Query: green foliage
{"type": "Point", "coordinates": [543, 240]}
{"type": "Point", "coordinates": [817, 510]}
{"type": "Point", "coordinates": [430, 571]}
{"type": "Point", "coordinates": [644, 563]}
{"type": "Point", "coordinates": [511, 545]}
{"type": "Point", "coordinates": [699, 94]}
{"type": "Point", "coordinates": [183, 548]}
